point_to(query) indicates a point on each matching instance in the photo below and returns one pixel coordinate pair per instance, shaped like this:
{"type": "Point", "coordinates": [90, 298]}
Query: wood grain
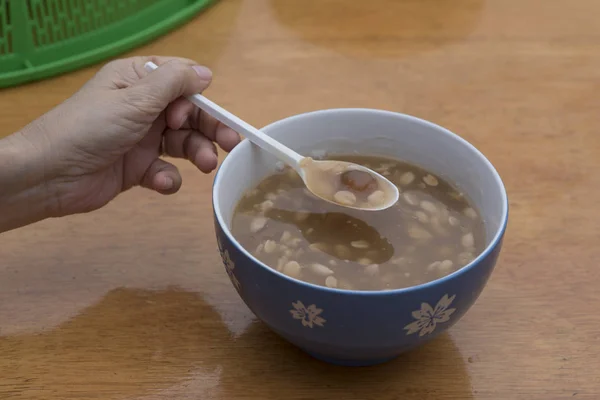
{"type": "Point", "coordinates": [131, 302]}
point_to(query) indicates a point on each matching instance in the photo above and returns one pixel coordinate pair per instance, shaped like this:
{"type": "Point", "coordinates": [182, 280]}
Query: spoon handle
{"type": "Point", "coordinates": [257, 137]}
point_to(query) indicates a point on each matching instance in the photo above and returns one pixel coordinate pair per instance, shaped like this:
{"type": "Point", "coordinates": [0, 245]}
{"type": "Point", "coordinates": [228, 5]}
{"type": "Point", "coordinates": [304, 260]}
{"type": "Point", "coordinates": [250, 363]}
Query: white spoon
{"type": "Point", "coordinates": [318, 176]}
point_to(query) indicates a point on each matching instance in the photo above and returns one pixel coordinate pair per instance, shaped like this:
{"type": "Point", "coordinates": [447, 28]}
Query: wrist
{"type": "Point", "coordinates": [24, 194]}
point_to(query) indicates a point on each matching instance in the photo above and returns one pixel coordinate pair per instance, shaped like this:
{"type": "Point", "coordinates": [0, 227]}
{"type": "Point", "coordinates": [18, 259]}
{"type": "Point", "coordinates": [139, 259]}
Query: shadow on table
{"type": "Point", "coordinates": [380, 28]}
{"type": "Point", "coordinates": [274, 367]}
{"type": "Point", "coordinates": [171, 344]}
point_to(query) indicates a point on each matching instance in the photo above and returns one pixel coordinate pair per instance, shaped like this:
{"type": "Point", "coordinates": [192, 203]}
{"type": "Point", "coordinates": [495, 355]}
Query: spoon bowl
{"type": "Point", "coordinates": [313, 173]}
{"type": "Point", "coordinates": [324, 179]}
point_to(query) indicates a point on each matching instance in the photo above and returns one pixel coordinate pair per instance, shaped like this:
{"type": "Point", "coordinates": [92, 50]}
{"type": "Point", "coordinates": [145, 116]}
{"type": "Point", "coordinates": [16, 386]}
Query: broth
{"type": "Point", "coordinates": [432, 231]}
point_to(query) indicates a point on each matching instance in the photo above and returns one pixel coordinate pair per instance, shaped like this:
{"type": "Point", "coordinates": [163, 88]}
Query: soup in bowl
{"type": "Point", "coordinates": [357, 287]}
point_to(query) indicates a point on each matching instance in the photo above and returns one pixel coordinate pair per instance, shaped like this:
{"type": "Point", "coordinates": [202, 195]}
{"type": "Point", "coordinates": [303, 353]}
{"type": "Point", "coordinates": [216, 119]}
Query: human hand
{"type": "Point", "coordinates": [111, 134]}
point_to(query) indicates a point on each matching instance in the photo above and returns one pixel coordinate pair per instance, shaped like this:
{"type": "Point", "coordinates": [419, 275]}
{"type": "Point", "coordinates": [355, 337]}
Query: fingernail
{"type": "Point", "coordinates": [203, 72]}
{"type": "Point", "coordinates": [167, 183]}
{"type": "Point", "coordinates": [182, 121]}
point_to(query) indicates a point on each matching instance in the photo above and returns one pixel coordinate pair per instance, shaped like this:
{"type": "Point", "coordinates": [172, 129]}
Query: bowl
{"type": "Point", "coordinates": [358, 327]}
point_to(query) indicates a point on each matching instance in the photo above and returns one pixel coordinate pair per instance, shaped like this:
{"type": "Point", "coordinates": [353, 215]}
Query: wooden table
{"type": "Point", "coordinates": [132, 302]}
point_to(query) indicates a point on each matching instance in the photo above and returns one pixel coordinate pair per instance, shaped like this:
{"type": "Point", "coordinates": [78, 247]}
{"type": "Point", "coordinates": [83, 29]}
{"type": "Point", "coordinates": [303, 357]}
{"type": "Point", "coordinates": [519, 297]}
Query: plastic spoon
{"type": "Point", "coordinates": [315, 174]}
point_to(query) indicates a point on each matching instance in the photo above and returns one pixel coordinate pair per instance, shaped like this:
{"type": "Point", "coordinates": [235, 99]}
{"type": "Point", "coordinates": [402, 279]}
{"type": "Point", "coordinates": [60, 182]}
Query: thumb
{"type": "Point", "coordinates": [171, 80]}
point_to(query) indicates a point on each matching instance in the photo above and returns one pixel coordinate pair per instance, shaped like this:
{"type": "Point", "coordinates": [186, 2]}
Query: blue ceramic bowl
{"type": "Point", "coordinates": [352, 327]}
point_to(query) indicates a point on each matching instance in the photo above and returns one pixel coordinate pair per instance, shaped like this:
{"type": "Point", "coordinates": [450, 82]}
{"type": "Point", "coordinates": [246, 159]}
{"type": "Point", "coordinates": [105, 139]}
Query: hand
{"type": "Point", "coordinates": [110, 135]}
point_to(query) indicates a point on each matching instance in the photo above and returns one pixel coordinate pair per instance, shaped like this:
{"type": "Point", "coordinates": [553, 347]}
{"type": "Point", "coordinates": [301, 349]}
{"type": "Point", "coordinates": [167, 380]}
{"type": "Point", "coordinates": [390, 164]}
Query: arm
{"type": "Point", "coordinates": [112, 135]}
{"type": "Point", "coordinates": [23, 195]}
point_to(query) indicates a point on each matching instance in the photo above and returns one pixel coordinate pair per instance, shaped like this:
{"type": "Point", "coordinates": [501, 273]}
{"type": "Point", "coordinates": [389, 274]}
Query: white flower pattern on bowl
{"type": "Point", "coordinates": [229, 265]}
{"type": "Point", "coordinates": [310, 316]}
{"type": "Point", "coordinates": [427, 317]}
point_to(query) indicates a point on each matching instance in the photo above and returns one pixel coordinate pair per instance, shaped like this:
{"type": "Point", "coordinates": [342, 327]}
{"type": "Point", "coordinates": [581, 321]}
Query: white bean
{"type": "Point", "coordinates": [471, 213]}
{"type": "Point", "coordinates": [360, 244]}
{"type": "Point", "coordinates": [271, 196]}
{"type": "Point", "coordinates": [455, 195]}
{"type": "Point", "coordinates": [465, 257]}
{"type": "Point", "coordinates": [302, 216]}
{"type": "Point", "coordinates": [437, 226]}
{"type": "Point", "coordinates": [429, 206]}
{"type": "Point", "coordinates": [453, 221]}
{"type": "Point", "coordinates": [410, 198]}
{"type": "Point", "coordinates": [295, 242]}
{"type": "Point", "coordinates": [434, 265]}
{"type": "Point", "coordinates": [430, 180]}
{"type": "Point", "coordinates": [422, 217]}
{"type": "Point", "coordinates": [259, 248]}
{"type": "Point", "coordinates": [446, 266]}
{"type": "Point", "coordinates": [292, 268]}
{"type": "Point", "coordinates": [286, 236]}
{"type": "Point", "coordinates": [320, 269]}
{"type": "Point", "coordinates": [251, 193]}
{"type": "Point", "coordinates": [364, 261]}
{"type": "Point", "coordinates": [270, 246]}
{"type": "Point", "coordinates": [342, 251]}
{"type": "Point", "coordinates": [266, 205]}
{"type": "Point", "coordinates": [331, 282]}
{"type": "Point", "coordinates": [407, 178]}
{"type": "Point", "coordinates": [383, 168]}
{"type": "Point", "coordinates": [281, 262]}
{"type": "Point", "coordinates": [376, 198]}
{"type": "Point", "coordinates": [345, 197]}
{"type": "Point", "coordinates": [468, 240]}
{"type": "Point", "coordinates": [318, 247]}
{"type": "Point", "coordinates": [416, 232]}
{"type": "Point", "coordinates": [257, 224]}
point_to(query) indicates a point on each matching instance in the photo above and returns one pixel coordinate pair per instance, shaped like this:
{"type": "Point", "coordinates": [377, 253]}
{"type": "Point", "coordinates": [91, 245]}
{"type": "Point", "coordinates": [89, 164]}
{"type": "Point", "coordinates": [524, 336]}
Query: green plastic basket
{"type": "Point", "coordinates": [43, 38]}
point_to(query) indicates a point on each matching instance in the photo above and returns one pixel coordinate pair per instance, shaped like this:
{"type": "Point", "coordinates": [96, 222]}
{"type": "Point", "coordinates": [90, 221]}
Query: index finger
{"type": "Point", "coordinates": [216, 131]}
{"type": "Point", "coordinates": [123, 73]}
{"type": "Point", "coordinates": [181, 114]}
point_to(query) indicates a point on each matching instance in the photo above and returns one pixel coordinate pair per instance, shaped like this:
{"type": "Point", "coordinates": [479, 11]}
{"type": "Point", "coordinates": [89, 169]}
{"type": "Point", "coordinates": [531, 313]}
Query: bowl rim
{"type": "Point", "coordinates": [246, 144]}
